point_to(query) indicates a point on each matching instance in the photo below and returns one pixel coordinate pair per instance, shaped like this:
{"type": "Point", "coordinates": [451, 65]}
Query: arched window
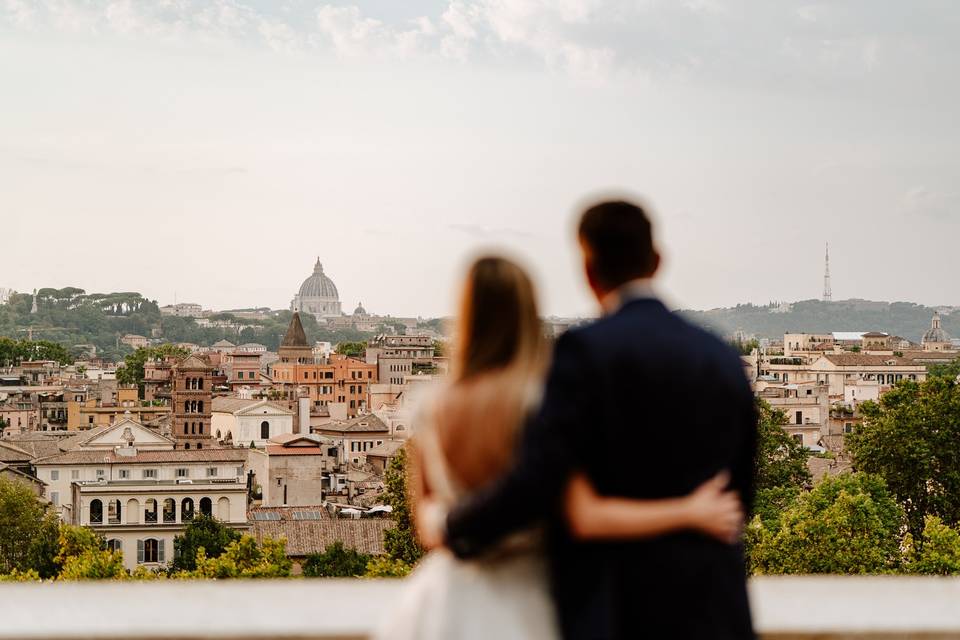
{"type": "Point", "coordinates": [219, 437]}
{"type": "Point", "coordinates": [186, 428]}
{"type": "Point", "coordinates": [150, 551]}
{"type": "Point", "coordinates": [193, 427]}
{"type": "Point", "coordinates": [264, 430]}
{"type": "Point", "coordinates": [186, 509]}
{"type": "Point", "coordinates": [113, 512]}
{"type": "Point", "coordinates": [200, 407]}
{"type": "Point", "coordinates": [150, 511]}
{"type": "Point", "coordinates": [186, 406]}
{"type": "Point", "coordinates": [199, 383]}
{"type": "Point", "coordinates": [223, 509]}
{"type": "Point", "coordinates": [133, 511]}
{"type": "Point", "coordinates": [96, 512]}
{"type": "Point", "coordinates": [114, 545]}
{"type": "Point", "coordinates": [169, 510]}
{"type": "Point", "coordinates": [200, 428]}
{"type": "Point", "coordinates": [206, 506]}
{"type": "Point", "coordinates": [199, 445]}
{"type": "Point", "coordinates": [186, 446]}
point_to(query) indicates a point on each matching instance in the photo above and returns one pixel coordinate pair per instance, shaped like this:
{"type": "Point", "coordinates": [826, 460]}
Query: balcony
{"type": "Point", "coordinates": [784, 608]}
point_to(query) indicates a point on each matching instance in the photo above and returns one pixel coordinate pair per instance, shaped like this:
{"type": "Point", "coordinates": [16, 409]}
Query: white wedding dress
{"type": "Point", "coordinates": [505, 596]}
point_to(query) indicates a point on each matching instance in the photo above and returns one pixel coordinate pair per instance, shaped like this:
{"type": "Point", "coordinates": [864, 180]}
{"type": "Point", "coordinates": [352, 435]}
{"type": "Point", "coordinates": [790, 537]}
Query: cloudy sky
{"type": "Point", "coordinates": [211, 150]}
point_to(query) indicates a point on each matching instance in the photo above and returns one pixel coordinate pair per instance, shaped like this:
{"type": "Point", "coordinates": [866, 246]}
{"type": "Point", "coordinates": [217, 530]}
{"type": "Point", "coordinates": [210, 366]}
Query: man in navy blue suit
{"type": "Point", "coordinates": [648, 406]}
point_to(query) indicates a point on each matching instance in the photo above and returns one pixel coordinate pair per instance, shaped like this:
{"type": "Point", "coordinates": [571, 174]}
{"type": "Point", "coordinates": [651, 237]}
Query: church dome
{"type": "Point", "coordinates": [360, 311]}
{"type": "Point", "coordinates": [318, 285]}
{"type": "Point", "coordinates": [936, 333]}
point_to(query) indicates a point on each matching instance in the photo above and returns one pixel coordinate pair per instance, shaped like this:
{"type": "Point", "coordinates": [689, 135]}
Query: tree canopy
{"type": "Point", "coordinates": [28, 531]}
{"type": "Point", "coordinates": [848, 524]}
{"type": "Point", "coordinates": [336, 561]}
{"type": "Point", "coordinates": [400, 541]}
{"type": "Point", "coordinates": [911, 438]}
{"type": "Point", "coordinates": [781, 466]}
{"type": "Point", "coordinates": [203, 532]}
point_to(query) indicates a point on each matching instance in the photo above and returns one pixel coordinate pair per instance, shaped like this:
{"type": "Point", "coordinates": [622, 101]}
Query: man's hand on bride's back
{"type": "Point", "coordinates": [715, 510]}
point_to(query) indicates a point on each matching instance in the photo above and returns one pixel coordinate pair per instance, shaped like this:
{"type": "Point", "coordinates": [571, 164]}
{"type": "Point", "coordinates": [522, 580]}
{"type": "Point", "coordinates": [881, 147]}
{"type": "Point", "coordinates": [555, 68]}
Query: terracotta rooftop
{"type": "Point", "coordinates": [866, 360]}
{"type": "Point", "coordinates": [10, 452]}
{"type": "Point", "coordinates": [225, 404]}
{"type": "Point", "coordinates": [313, 536]}
{"type": "Point", "coordinates": [368, 422]}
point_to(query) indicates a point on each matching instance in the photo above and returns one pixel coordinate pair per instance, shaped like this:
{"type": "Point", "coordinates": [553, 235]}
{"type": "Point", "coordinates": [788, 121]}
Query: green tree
{"type": "Point", "coordinates": [400, 541]}
{"type": "Point", "coordinates": [132, 370]}
{"type": "Point", "coordinates": [745, 347]}
{"type": "Point", "coordinates": [386, 567]}
{"type": "Point", "coordinates": [244, 558]}
{"type": "Point", "coordinates": [352, 349]}
{"type": "Point", "coordinates": [939, 551]}
{"type": "Point", "coordinates": [847, 524]}
{"type": "Point", "coordinates": [336, 561]}
{"type": "Point", "coordinates": [203, 532]}
{"type": "Point", "coordinates": [781, 467]}
{"type": "Point", "coordinates": [28, 531]}
{"type": "Point", "coordinates": [82, 556]}
{"type": "Point", "coordinates": [948, 371]}
{"type": "Point", "coordinates": [912, 439]}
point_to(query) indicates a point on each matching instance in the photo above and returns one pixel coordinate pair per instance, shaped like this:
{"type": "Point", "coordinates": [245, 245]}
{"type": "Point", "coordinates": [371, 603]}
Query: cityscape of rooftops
{"type": "Point", "coordinates": [316, 289]}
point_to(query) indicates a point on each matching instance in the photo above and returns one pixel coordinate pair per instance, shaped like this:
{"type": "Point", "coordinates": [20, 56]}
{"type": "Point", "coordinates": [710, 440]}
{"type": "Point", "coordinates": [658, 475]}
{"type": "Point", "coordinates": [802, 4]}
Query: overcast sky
{"type": "Point", "coordinates": [213, 150]}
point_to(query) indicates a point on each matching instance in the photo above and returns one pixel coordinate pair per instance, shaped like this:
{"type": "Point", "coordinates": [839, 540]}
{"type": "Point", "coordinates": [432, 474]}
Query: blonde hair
{"type": "Point", "coordinates": [497, 367]}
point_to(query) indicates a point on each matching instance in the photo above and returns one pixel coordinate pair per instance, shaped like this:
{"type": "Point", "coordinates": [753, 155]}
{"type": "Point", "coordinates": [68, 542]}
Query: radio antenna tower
{"type": "Point", "coordinates": [827, 289]}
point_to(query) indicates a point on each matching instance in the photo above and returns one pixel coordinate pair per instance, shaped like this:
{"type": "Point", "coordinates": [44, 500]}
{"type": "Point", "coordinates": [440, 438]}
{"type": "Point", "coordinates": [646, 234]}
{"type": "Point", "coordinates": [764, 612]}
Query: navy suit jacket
{"type": "Point", "coordinates": [649, 406]}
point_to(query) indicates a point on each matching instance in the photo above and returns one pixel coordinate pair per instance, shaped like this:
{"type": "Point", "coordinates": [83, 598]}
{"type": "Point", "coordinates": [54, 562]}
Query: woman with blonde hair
{"type": "Point", "coordinates": [466, 436]}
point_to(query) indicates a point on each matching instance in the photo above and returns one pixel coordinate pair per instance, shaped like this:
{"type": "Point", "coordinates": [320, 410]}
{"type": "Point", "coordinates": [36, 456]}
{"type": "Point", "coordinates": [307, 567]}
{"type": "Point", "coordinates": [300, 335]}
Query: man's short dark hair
{"type": "Point", "coordinates": [620, 239]}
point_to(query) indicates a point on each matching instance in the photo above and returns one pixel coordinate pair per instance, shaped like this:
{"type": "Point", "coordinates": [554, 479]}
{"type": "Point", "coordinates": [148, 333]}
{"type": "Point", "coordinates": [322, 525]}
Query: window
{"type": "Point", "coordinates": [96, 512]}
{"type": "Point", "coordinates": [186, 509]}
{"type": "Point", "coordinates": [114, 545]}
{"type": "Point", "coordinates": [124, 474]}
{"type": "Point", "coordinates": [206, 506]}
{"type": "Point", "coordinates": [55, 498]}
{"type": "Point", "coordinates": [183, 473]}
{"type": "Point", "coordinates": [54, 475]}
{"type": "Point", "coordinates": [240, 472]}
{"type": "Point", "coordinates": [211, 472]}
{"type": "Point", "coordinates": [799, 417]}
{"type": "Point", "coordinates": [113, 512]}
{"type": "Point", "coordinates": [798, 437]}
{"type": "Point", "coordinates": [149, 474]}
{"type": "Point", "coordinates": [169, 510]}
{"type": "Point", "coordinates": [75, 474]}
{"type": "Point", "coordinates": [150, 511]}
{"type": "Point", "coordinates": [100, 474]}
{"type": "Point", "coordinates": [264, 430]}
{"type": "Point", "coordinates": [150, 551]}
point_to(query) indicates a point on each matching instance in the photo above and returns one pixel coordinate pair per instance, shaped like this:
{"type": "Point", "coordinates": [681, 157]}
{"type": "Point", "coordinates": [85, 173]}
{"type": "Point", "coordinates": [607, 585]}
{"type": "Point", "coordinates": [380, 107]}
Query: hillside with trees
{"type": "Point", "coordinates": [904, 319]}
{"type": "Point", "coordinates": [73, 318]}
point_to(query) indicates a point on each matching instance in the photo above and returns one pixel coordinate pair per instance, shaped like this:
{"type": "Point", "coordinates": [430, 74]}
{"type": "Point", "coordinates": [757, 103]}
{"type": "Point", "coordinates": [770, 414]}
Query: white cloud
{"type": "Point", "coordinates": [716, 39]}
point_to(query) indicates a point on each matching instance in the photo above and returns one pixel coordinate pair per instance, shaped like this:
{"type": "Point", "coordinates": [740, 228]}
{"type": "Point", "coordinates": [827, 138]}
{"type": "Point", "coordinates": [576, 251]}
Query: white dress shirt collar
{"type": "Point", "coordinates": [638, 289]}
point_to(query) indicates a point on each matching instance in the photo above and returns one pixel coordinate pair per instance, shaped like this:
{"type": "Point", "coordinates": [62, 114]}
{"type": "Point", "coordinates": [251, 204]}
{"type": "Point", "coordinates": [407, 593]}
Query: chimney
{"type": "Point", "coordinates": [304, 421]}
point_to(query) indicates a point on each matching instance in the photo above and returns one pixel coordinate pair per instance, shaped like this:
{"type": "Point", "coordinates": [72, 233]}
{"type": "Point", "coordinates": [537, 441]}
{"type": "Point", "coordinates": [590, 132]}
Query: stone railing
{"type": "Point", "coordinates": [785, 608]}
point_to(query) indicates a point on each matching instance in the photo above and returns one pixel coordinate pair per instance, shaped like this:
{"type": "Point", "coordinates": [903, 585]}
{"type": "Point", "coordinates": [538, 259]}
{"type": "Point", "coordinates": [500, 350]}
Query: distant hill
{"type": "Point", "coordinates": [904, 319]}
{"type": "Point", "coordinates": [71, 317]}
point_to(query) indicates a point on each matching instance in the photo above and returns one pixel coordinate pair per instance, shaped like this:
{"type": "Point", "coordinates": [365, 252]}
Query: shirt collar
{"type": "Point", "coordinates": [638, 289]}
